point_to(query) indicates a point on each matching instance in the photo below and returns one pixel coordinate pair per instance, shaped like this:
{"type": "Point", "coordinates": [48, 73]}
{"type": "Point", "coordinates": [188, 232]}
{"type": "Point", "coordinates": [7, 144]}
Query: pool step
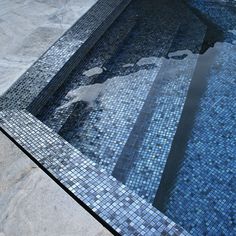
{"type": "Point", "coordinates": [87, 72]}
{"type": "Point", "coordinates": [142, 161]}
{"type": "Point", "coordinates": [104, 130]}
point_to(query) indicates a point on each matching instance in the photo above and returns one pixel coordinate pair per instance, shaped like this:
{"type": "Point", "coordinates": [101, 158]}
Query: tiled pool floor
{"type": "Point", "coordinates": [151, 104]}
{"type": "Point", "coordinates": [202, 197]}
{"type": "Point", "coordinates": [204, 194]}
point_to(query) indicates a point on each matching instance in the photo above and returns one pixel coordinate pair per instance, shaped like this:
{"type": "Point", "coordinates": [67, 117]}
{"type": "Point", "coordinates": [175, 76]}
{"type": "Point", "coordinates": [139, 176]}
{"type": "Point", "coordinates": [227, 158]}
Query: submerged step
{"type": "Point", "coordinates": [104, 132]}
{"type": "Point", "coordinates": [163, 109]}
{"type": "Point", "coordinates": [59, 110]}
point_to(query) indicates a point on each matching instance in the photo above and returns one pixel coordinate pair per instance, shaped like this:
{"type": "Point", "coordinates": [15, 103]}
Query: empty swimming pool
{"type": "Point", "coordinates": [153, 103]}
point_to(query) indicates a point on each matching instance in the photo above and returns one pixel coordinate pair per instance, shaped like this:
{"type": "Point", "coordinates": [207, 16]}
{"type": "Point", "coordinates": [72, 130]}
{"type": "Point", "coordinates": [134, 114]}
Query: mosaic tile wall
{"type": "Point", "coordinates": [127, 213]}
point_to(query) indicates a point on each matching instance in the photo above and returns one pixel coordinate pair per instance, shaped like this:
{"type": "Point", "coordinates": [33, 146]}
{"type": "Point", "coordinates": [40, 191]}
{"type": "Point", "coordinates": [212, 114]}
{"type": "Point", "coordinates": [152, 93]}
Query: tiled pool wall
{"type": "Point", "coordinates": [56, 118]}
{"type": "Point", "coordinates": [113, 204]}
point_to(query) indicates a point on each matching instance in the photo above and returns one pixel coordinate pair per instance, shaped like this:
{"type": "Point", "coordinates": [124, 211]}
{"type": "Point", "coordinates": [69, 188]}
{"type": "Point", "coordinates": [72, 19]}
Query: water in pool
{"type": "Point", "coordinates": [153, 103]}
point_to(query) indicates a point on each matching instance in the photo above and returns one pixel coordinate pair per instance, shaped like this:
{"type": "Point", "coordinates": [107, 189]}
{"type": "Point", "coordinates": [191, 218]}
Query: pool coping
{"type": "Point", "coordinates": [114, 205]}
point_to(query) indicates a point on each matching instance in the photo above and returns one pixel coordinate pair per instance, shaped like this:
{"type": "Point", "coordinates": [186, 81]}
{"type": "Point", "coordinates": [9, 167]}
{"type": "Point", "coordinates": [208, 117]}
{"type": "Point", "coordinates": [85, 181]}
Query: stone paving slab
{"type": "Point", "coordinates": [32, 204]}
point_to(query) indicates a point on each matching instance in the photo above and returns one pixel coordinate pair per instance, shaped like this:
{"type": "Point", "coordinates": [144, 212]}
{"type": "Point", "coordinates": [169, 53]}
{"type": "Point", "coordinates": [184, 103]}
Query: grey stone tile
{"type": "Point", "coordinates": [33, 204]}
{"type": "Point", "coordinates": [21, 21]}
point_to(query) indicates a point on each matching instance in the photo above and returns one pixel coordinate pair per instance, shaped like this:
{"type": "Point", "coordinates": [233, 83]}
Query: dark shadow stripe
{"type": "Point", "coordinates": [197, 88]}
{"type": "Point", "coordinates": [130, 151]}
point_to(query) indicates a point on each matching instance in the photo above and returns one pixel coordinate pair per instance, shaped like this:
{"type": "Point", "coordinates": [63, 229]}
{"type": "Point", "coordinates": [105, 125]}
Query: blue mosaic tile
{"type": "Point", "coordinates": [96, 58]}
{"type": "Point", "coordinates": [203, 197]}
{"type": "Point", "coordinates": [115, 88]}
{"type": "Point", "coordinates": [134, 82]}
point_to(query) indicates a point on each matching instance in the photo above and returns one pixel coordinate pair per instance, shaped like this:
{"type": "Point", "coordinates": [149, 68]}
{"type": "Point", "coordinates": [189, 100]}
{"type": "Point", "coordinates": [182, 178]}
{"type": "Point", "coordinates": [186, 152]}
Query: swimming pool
{"type": "Point", "coordinates": [151, 103]}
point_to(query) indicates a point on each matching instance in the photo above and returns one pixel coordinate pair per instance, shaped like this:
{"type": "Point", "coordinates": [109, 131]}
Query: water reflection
{"type": "Point", "coordinates": [200, 169]}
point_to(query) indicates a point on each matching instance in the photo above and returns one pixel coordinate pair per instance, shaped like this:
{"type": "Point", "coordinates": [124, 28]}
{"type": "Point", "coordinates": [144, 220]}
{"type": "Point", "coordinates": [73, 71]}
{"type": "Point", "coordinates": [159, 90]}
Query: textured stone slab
{"type": "Point", "coordinates": [32, 204]}
{"type": "Point", "coordinates": [23, 34]}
